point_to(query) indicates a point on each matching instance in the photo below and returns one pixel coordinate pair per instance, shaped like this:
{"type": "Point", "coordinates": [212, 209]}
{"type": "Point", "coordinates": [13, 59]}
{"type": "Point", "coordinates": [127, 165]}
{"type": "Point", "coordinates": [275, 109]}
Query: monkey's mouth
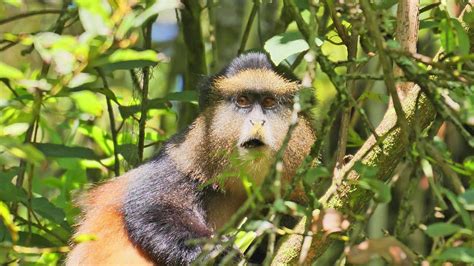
{"type": "Point", "coordinates": [252, 143]}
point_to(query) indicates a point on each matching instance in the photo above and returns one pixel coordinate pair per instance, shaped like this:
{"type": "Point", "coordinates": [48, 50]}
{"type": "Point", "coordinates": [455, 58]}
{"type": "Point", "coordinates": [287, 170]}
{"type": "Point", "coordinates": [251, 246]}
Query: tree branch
{"type": "Point", "coordinates": [195, 56]}
{"type": "Point", "coordinates": [387, 65]}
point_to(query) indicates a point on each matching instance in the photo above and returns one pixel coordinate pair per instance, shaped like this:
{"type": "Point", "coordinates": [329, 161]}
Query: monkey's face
{"type": "Point", "coordinates": [264, 121]}
{"type": "Point", "coordinates": [254, 112]}
{"type": "Point", "coordinates": [252, 126]}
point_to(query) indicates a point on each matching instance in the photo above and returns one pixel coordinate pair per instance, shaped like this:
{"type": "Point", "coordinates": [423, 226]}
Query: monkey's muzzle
{"type": "Point", "coordinates": [252, 143]}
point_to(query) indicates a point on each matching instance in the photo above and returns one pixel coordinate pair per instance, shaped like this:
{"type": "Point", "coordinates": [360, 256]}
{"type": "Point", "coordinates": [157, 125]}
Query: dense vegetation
{"type": "Point", "coordinates": [90, 89]}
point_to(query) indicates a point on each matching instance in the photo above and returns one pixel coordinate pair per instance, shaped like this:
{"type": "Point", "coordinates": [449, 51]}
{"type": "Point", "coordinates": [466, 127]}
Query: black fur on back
{"type": "Point", "coordinates": [163, 210]}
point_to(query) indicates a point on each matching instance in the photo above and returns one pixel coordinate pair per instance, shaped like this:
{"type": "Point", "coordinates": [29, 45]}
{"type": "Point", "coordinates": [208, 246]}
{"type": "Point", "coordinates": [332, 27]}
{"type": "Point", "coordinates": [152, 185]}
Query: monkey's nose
{"type": "Point", "coordinates": [262, 122]}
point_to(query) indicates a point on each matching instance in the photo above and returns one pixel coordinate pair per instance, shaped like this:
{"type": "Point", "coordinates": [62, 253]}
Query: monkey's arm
{"type": "Point", "coordinates": [163, 211]}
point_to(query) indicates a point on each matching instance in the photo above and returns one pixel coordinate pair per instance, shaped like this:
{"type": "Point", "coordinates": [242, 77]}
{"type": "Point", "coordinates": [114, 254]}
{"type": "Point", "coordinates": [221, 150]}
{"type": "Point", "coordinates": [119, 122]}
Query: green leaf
{"type": "Point", "coordinates": [99, 135]}
{"type": "Point", "coordinates": [126, 59]}
{"type": "Point", "coordinates": [95, 16]}
{"type": "Point", "coordinates": [11, 193]}
{"type": "Point", "coordinates": [8, 174]}
{"type": "Point", "coordinates": [34, 240]}
{"type": "Point", "coordinates": [157, 103]}
{"type": "Point", "coordinates": [442, 229]}
{"type": "Point", "coordinates": [129, 153]}
{"type": "Point", "coordinates": [295, 208]}
{"type": "Point", "coordinates": [279, 205]}
{"type": "Point", "coordinates": [183, 96]}
{"type": "Point", "coordinates": [244, 239]}
{"type": "Point", "coordinates": [20, 150]}
{"type": "Point", "coordinates": [468, 18]}
{"type": "Point", "coordinates": [8, 221]}
{"type": "Point", "coordinates": [380, 189]}
{"type": "Point", "coordinates": [469, 163]}
{"type": "Point", "coordinates": [428, 24]}
{"type": "Point", "coordinates": [467, 200]}
{"type": "Point", "coordinates": [104, 91]}
{"type": "Point", "coordinates": [466, 218]}
{"type": "Point", "coordinates": [454, 37]}
{"type": "Point", "coordinates": [284, 45]}
{"type": "Point", "coordinates": [313, 174]}
{"type": "Point", "coordinates": [125, 25]}
{"type": "Point", "coordinates": [82, 238]}
{"type": "Point", "coordinates": [154, 9]}
{"type": "Point", "coordinates": [16, 3]}
{"type": "Point", "coordinates": [354, 139]}
{"type": "Point", "coordinates": [9, 72]}
{"type": "Point", "coordinates": [462, 254]}
{"type": "Point", "coordinates": [447, 35]}
{"type": "Point", "coordinates": [46, 209]}
{"type": "Point", "coordinates": [365, 171]}
{"type": "Point", "coordinates": [15, 129]}
{"type": "Point", "coordinates": [463, 44]}
{"type": "Point", "coordinates": [81, 79]}
{"type": "Point", "coordinates": [88, 103]}
{"type": "Point", "coordinates": [63, 151]}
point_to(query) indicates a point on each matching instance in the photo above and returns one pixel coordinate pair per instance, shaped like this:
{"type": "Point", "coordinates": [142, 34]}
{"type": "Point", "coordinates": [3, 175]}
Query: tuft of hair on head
{"type": "Point", "coordinates": [252, 70]}
{"type": "Point", "coordinates": [252, 60]}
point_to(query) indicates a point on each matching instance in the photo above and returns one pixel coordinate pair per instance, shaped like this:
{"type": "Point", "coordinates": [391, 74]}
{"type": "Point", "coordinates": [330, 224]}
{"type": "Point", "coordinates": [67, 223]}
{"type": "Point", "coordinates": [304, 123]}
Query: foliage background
{"type": "Point", "coordinates": [89, 89]}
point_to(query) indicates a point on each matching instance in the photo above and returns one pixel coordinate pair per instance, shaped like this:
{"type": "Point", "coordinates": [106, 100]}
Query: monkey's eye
{"type": "Point", "coordinates": [268, 102]}
{"type": "Point", "coordinates": [243, 101]}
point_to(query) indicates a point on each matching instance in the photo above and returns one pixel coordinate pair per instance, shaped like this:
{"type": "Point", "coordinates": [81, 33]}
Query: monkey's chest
{"type": "Point", "coordinates": [220, 207]}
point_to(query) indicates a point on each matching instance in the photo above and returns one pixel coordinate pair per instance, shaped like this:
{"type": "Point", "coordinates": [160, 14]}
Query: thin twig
{"type": "Point", "coordinates": [7, 83]}
{"type": "Point", "coordinates": [248, 26]}
{"type": "Point", "coordinates": [7, 46]}
{"type": "Point", "coordinates": [341, 30]}
{"type": "Point", "coordinates": [144, 103]}
{"type": "Point", "coordinates": [43, 228]}
{"type": "Point", "coordinates": [29, 14]}
{"type": "Point", "coordinates": [113, 129]}
{"type": "Point", "coordinates": [346, 116]}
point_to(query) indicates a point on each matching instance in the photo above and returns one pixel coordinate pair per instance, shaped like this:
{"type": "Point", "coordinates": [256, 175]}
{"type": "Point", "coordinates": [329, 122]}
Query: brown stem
{"type": "Point", "coordinates": [29, 14]}
{"type": "Point", "coordinates": [407, 35]}
{"type": "Point", "coordinates": [113, 129]}
{"type": "Point", "coordinates": [144, 102]}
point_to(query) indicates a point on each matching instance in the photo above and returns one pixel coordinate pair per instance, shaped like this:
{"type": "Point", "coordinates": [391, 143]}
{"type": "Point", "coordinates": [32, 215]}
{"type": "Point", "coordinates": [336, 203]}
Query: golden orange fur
{"type": "Point", "coordinates": [104, 219]}
{"type": "Point", "coordinates": [256, 79]}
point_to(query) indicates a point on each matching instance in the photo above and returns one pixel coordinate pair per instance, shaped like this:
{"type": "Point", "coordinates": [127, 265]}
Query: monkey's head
{"type": "Point", "coordinates": [251, 104]}
{"type": "Point", "coordinates": [246, 113]}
